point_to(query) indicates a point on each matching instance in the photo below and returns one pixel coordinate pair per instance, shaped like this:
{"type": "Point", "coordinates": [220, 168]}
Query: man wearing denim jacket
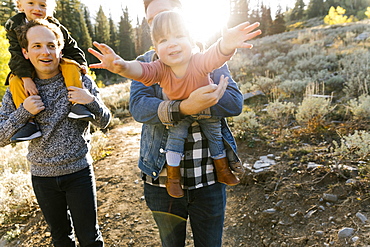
{"type": "Point", "coordinates": [205, 199]}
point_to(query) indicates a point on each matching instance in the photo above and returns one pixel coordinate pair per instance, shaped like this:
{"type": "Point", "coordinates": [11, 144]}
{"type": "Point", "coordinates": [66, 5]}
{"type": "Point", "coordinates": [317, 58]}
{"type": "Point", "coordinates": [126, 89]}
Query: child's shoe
{"type": "Point", "coordinates": [224, 174]}
{"type": "Point", "coordinates": [80, 112]}
{"type": "Point", "coordinates": [27, 132]}
{"type": "Point", "coordinates": [173, 184]}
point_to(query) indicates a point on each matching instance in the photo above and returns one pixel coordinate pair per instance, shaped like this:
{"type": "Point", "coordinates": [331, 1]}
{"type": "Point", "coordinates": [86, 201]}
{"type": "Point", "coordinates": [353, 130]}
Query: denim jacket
{"type": "Point", "coordinates": [144, 102]}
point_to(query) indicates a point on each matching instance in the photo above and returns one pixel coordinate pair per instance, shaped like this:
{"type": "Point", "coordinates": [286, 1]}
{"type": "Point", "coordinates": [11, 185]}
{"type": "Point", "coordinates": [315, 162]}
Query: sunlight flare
{"type": "Point", "coordinates": [206, 17]}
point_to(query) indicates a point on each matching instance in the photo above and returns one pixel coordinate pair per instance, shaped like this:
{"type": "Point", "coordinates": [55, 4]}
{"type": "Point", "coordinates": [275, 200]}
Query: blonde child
{"type": "Point", "coordinates": [20, 79]}
{"type": "Point", "coordinates": [180, 71]}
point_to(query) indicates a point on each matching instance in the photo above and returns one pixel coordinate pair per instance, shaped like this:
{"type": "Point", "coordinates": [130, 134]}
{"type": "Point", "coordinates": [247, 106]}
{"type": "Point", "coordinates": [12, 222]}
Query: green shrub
{"type": "Point", "coordinates": [360, 107]}
{"type": "Point", "coordinates": [117, 98]}
{"type": "Point", "coordinates": [312, 111]}
{"type": "Point", "coordinates": [245, 125]}
{"type": "Point", "coordinates": [280, 112]}
{"type": "Point", "coordinates": [354, 146]}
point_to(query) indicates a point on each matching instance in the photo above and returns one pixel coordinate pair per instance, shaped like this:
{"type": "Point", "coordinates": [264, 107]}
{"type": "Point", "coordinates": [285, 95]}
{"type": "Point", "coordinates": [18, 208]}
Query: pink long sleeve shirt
{"type": "Point", "coordinates": [197, 73]}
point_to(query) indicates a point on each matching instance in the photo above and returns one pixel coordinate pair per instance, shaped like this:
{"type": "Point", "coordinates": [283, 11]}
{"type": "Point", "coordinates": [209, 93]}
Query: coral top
{"type": "Point", "coordinates": [197, 73]}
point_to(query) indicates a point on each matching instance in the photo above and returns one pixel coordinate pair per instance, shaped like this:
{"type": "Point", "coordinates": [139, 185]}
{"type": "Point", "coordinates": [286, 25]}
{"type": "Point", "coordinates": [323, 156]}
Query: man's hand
{"type": "Point", "coordinates": [204, 97]}
{"type": "Point", "coordinates": [33, 104]}
{"type": "Point", "coordinates": [29, 86]}
{"type": "Point", "coordinates": [108, 59]}
{"type": "Point", "coordinates": [79, 95]}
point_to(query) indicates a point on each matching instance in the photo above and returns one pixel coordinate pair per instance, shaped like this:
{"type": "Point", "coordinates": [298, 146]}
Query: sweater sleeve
{"type": "Point", "coordinates": [11, 119]}
{"type": "Point", "coordinates": [101, 112]}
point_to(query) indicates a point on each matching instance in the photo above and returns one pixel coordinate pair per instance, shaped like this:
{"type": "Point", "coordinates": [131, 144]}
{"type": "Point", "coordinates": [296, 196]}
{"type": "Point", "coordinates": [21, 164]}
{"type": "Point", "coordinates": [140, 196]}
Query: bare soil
{"type": "Point", "coordinates": [283, 206]}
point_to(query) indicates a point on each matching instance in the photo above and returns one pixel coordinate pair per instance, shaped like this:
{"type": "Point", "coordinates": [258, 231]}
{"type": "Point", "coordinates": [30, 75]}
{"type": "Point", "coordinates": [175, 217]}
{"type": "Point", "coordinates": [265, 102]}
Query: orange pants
{"type": "Point", "coordinates": [71, 72]}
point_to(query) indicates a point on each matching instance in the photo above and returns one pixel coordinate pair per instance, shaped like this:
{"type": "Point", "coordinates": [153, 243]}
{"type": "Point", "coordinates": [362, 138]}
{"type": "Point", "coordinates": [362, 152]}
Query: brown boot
{"type": "Point", "coordinates": [173, 184]}
{"type": "Point", "coordinates": [224, 174]}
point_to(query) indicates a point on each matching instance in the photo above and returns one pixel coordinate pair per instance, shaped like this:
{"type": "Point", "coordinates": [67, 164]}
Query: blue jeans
{"type": "Point", "coordinates": [68, 198]}
{"type": "Point", "coordinates": [205, 207]}
{"type": "Point", "coordinates": [211, 127]}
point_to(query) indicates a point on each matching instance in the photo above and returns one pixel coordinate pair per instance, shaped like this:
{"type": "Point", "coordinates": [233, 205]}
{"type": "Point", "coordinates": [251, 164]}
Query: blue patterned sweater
{"type": "Point", "coordinates": [64, 145]}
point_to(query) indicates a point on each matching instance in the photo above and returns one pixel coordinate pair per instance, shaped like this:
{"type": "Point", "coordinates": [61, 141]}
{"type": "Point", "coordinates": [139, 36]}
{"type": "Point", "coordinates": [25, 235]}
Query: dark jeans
{"type": "Point", "coordinates": [205, 208]}
{"type": "Point", "coordinates": [66, 198]}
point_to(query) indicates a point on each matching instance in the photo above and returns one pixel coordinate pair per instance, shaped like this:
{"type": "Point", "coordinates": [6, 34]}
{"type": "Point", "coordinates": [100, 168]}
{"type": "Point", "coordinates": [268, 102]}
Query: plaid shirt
{"type": "Point", "coordinates": [196, 167]}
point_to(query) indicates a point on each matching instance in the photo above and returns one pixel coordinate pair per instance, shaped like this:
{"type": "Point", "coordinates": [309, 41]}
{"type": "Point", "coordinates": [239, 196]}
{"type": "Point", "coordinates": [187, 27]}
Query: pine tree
{"type": "Point", "coordinates": [70, 14]}
{"type": "Point", "coordinates": [278, 25]}
{"type": "Point", "coordinates": [239, 10]}
{"type": "Point", "coordinates": [255, 16]}
{"type": "Point", "coordinates": [7, 10]}
{"type": "Point", "coordinates": [266, 20]}
{"type": "Point", "coordinates": [126, 47]}
{"type": "Point", "coordinates": [101, 27]}
{"type": "Point", "coordinates": [137, 32]}
{"type": "Point", "coordinates": [90, 27]}
{"type": "Point", "coordinates": [113, 40]}
{"type": "Point", "coordinates": [298, 11]}
{"type": "Point", "coordinates": [315, 8]}
{"type": "Point", "coordinates": [144, 41]}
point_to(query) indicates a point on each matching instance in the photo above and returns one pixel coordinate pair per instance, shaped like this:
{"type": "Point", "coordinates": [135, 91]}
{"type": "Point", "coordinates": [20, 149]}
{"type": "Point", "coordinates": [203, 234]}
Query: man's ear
{"type": "Point", "coordinates": [25, 54]}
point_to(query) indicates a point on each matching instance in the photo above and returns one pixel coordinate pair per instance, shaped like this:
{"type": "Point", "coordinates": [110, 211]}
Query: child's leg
{"type": "Point", "coordinates": [212, 130]}
{"type": "Point", "coordinates": [30, 130]}
{"type": "Point", "coordinates": [176, 140]}
{"type": "Point", "coordinates": [211, 127]}
{"type": "Point", "coordinates": [16, 87]}
{"type": "Point", "coordinates": [173, 182]}
{"type": "Point", "coordinates": [71, 72]}
{"type": "Point", "coordinates": [174, 152]}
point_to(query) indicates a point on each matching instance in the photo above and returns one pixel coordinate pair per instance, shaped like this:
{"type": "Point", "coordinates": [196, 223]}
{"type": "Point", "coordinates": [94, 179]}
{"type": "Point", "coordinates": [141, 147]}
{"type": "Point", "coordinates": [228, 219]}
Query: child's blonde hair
{"type": "Point", "coordinates": [168, 22]}
{"type": "Point", "coordinates": [52, 4]}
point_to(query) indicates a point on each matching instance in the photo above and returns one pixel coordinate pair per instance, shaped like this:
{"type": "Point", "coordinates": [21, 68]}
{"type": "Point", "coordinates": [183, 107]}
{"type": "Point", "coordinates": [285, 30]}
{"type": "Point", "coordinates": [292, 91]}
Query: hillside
{"type": "Point", "coordinates": [300, 189]}
{"type": "Point", "coordinates": [282, 206]}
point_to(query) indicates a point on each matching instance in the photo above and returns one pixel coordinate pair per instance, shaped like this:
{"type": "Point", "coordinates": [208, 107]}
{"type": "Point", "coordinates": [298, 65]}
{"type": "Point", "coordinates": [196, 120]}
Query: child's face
{"type": "Point", "coordinates": [174, 49]}
{"type": "Point", "coordinates": [36, 9]}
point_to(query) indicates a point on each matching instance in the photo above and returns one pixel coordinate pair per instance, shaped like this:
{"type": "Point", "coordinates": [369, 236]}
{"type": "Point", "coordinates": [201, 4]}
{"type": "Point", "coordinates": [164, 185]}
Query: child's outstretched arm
{"type": "Point", "coordinates": [29, 86]}
{"type": "Point", "coordinates": [109, 60]}
{"type": "Point", "coordinates": [235, 37]}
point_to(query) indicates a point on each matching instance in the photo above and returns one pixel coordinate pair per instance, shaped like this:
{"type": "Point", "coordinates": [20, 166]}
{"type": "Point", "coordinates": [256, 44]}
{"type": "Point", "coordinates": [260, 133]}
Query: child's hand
{"type": "Point", "coordinates": [83, 69]}
{"type": "Point", "coordinates": [108, 59]}
{"type": "Point", "coordinates": [29, 87]}
{"type": "Point", "coordinates": [235, 37]}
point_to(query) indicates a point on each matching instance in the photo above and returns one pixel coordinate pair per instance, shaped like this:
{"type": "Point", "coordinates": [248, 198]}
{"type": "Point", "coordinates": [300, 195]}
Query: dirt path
{"type": "Point", "coordinates": [280, 207]}
{"type": "Point", "coordinates": [123, 215]}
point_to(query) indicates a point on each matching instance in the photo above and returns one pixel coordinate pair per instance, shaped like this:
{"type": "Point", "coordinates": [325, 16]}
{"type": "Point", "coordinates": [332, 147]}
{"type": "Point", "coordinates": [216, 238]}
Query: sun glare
{"type": "Point", "coordinates": [205, 17]}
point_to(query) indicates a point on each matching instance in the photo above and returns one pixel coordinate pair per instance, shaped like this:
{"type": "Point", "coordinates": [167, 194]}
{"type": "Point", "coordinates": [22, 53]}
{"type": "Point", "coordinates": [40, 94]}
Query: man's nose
{"type": "Point", "coordinates": [45, 50]}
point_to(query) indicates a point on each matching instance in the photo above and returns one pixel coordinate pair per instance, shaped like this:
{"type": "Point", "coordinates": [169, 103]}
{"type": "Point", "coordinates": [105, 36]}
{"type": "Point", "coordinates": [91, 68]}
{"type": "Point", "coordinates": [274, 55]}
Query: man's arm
{"type": "Point", "coordinates": [11, 119]}
{"type": "Point", "coordinates": [231, 103]}
{"type": "Point", "coordinates": [90, 97]}
{"type": "Point", "coordinates": [144, 102]}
